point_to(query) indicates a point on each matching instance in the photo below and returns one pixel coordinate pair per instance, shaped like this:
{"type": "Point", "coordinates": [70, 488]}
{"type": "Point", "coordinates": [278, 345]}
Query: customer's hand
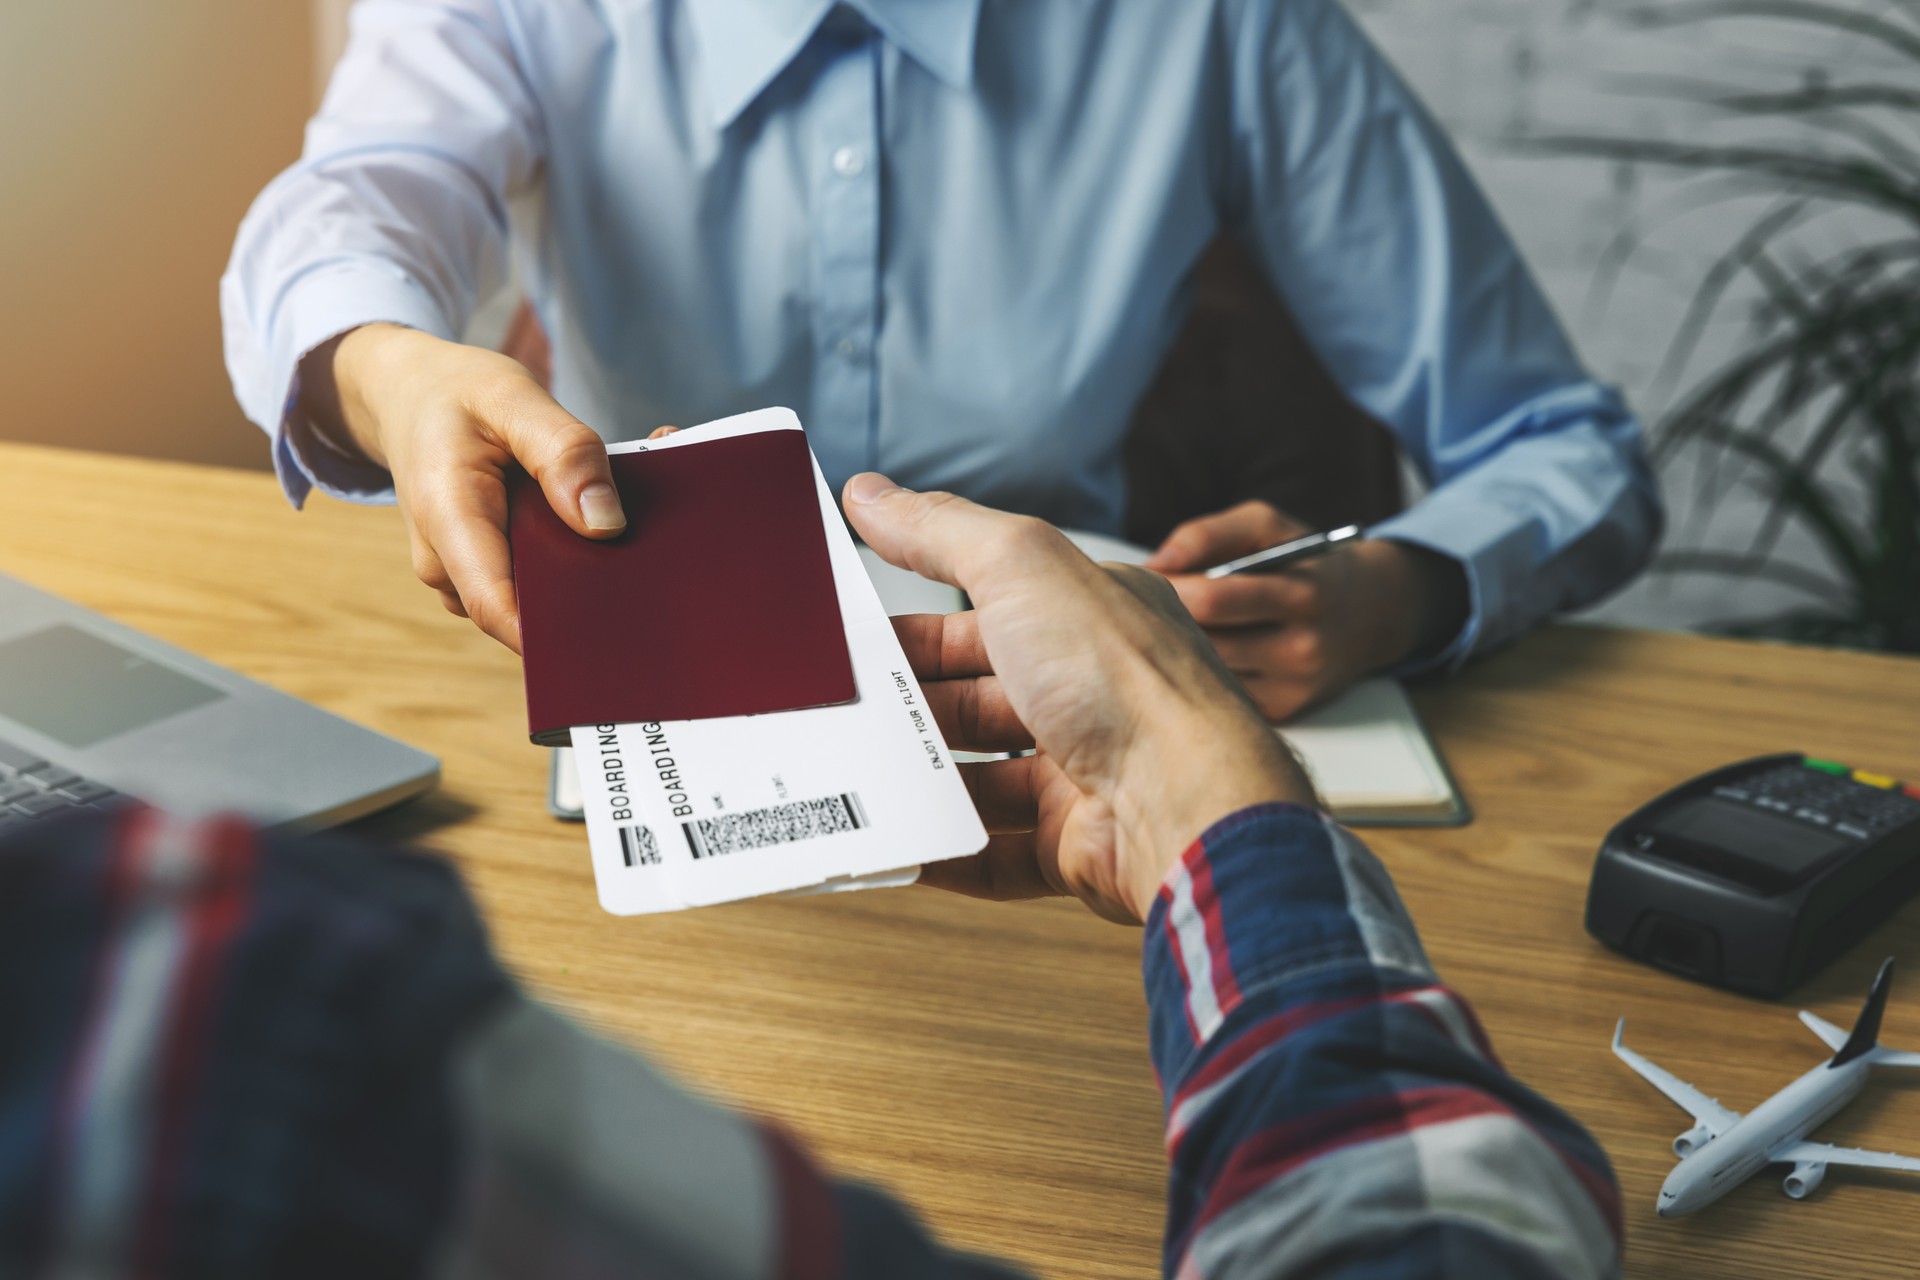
{"type": "Point", "coordinates": [1144, 739]}
{"type": "Point", "coordinates": [1303, 634]}
{"type": "Point", "coordinates": [448, 421]}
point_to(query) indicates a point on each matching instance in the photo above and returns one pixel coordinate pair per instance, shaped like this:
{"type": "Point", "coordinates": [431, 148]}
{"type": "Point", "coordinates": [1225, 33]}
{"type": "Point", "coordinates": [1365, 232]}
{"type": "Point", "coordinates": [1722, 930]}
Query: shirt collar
{"type": "Point", "coordinates": [745, 44]}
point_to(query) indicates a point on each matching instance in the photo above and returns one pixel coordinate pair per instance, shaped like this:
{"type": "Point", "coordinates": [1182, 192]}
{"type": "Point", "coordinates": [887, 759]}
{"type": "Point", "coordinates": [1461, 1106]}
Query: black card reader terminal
{"type": "Point", "coordinates": [1755, 876]}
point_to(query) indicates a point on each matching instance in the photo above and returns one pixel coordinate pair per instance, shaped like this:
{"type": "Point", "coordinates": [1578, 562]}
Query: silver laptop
{"type": "Point", "coordinates": [91, 711]}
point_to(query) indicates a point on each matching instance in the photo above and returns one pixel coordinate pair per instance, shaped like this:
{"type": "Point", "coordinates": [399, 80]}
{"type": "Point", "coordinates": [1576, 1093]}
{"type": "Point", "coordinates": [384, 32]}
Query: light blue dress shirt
{"type": "Point", "coordinates": [956, 236]}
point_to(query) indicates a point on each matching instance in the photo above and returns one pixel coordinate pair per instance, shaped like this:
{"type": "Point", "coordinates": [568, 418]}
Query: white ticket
{"type": "Point", "coordinates": [691, 812]}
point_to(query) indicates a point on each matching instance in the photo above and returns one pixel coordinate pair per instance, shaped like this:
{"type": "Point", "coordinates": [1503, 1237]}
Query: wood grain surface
{"type": "Point", "coordinates": [988, 1063]}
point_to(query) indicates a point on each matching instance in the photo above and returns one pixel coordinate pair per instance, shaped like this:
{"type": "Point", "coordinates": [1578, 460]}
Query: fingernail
{"type": "Point", "coordinates": [600, 507]}
{"type": "Point", "coordinates": [871, 486]}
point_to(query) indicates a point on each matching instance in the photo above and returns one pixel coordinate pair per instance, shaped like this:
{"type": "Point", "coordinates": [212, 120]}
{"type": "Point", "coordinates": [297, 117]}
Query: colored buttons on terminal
{"type": "Point", "coordinates": [1879, 781]}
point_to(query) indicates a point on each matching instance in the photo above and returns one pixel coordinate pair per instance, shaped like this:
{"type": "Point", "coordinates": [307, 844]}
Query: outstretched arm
{"type": "Point", "coordinates": [1332, 1110]}
{"type": "Point", "coordinates": [357, 270]}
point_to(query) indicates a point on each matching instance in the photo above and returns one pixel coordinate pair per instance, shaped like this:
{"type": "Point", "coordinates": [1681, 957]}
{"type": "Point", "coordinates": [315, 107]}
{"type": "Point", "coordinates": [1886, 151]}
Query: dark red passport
{"type": "Point", "coordinates": [718, 600]}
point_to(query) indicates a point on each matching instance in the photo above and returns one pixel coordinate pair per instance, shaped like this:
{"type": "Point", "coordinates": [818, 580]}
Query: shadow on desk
{"type": "Point", "coordinates": [411, 823]}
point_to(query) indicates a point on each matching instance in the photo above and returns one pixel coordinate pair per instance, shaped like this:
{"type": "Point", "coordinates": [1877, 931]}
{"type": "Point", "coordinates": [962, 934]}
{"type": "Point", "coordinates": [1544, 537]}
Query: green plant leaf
{"type": "Point", "coordinates": [1902, 40]}
{"type": "Point", "coordinates": [1819, 334]}
{"type": "Point", "coordinates": [1812, 505]}
{"type": "Point", "coordinates": [1808, 99]}
{"type": "Point", "coordinates": [1720, 276]}
{"type": "Point", "coordinates": [1837, 178]}
{"type": "Point", "coordinates": [1849, 97]}
{"type": "Point", "coordinates": [1850, 112]}
{"type": "Point", "coordinates": [1829, 376]}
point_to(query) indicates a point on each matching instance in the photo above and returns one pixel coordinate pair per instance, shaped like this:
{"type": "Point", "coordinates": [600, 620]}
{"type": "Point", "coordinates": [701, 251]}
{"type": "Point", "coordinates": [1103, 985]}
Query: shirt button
{"type": "Point", "coordinates": [848, 348]}
{"type": "Point", "coordinates": [848, 162]}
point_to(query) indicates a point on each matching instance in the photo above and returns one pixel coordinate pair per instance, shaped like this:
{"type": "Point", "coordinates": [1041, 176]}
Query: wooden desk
{"type": "Point", "coordinates": [988, 1063]}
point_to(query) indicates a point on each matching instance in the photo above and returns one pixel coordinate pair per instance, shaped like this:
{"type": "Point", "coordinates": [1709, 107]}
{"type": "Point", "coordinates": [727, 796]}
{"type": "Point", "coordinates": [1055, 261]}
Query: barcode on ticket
{"type": "Point", "coordinates": [776, 824]}
{"type": "Point", "coordinates": [638, 847]}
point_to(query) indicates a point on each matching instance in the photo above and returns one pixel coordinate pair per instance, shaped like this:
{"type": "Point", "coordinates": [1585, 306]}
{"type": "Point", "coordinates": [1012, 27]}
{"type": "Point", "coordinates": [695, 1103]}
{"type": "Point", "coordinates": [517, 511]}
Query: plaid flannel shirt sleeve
{"type": "Point", "coordinates": [1332, 1109]}
{"type": "Point", "coordinates": [241, 1056]}
{"type": "Point", "coordinates": [237, 1055]}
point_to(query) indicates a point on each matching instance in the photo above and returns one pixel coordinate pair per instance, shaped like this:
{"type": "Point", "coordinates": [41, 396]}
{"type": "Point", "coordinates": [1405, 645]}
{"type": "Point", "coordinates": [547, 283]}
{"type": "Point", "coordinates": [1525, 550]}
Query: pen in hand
{"type": "Point", "coordinates": [1288, 553]}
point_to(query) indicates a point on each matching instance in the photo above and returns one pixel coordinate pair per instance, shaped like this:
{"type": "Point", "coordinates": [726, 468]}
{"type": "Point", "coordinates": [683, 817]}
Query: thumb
{"type": "Point", "coordinates": [948, 539]}
{"type": "Point", "coordinates": [569, 460]}
{"type": "Point", "coordinates": [1212, 539]}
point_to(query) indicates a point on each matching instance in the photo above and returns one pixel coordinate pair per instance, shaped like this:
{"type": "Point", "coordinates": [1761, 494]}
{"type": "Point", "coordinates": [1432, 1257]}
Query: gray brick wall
{"type": "Point", "coordinates": [1503, 75]}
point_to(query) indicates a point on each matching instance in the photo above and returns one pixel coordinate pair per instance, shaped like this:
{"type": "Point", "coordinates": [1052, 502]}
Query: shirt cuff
{"type": "Point", "coordinates": [1496, 549]}
{"type": "Point", "coordinates": [317, 307]}
{"type": "Point", "coordinates": [1541, 521]}
{"type": "Point", "coordinates": [1452, 655]}
{"type": "Point", "coordinates": [1497, 534]}
{"type": "Point", "coordinates": [1457, 520]}
{"type": "Point", "coordinates": [1273, 896]}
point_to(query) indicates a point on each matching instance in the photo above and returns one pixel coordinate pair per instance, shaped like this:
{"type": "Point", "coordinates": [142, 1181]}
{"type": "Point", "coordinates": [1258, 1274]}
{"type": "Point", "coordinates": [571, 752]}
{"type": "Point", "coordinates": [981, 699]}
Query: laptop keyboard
{"type": "Point", "coordinates": [32, 788]}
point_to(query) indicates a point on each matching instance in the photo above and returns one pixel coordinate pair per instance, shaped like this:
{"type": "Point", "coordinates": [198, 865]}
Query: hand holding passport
{"type": "Point", "coordinates": [743, 718]}
{"type": "Point", "coordinates": [1143, 737]}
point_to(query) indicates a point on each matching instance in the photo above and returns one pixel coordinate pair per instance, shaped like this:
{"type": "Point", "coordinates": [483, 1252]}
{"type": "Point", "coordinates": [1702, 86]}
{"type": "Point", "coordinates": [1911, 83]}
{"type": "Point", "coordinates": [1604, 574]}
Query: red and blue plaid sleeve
{"type": "Point", "coordinates": [237, 1054]}
{"type": "Point", "coordinates": [1332, 1110]}
{"type": "Point", "coordinates": [229, 1053]}
{"type": "Point", "coordinates": [234, 1054]}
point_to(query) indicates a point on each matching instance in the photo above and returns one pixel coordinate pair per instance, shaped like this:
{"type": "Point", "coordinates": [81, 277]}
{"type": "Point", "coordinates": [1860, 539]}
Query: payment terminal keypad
{"type": "Point", "coordinates": [1830, 796]}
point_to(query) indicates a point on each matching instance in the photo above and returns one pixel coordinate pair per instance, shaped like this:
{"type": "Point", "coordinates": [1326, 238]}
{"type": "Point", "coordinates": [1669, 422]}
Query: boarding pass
{"type": "Point", "coordinates": [693, 812]}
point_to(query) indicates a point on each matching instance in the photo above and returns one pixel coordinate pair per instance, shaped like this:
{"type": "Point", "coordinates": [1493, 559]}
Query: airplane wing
{"type": "Point", "coordinates": [1832, 1035]}
{"type": "Point", "coordinates": [1704, 1110]}
{"type": "Point", "coordinates": [1824, 1153]}
{"type": "Point", "coordinates": [1895, 1058]}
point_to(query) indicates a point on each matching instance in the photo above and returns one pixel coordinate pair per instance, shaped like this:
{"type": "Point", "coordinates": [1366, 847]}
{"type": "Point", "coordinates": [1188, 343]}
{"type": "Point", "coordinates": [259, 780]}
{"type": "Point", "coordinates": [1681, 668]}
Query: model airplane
{"type": "Point", "coordinates": [1725, 1148]}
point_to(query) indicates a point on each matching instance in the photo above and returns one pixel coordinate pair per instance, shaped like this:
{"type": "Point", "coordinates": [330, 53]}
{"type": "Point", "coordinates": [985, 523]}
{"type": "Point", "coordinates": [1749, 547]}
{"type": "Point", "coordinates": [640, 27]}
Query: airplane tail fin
{"type": "Point", "coordinates": [1866, 1031]}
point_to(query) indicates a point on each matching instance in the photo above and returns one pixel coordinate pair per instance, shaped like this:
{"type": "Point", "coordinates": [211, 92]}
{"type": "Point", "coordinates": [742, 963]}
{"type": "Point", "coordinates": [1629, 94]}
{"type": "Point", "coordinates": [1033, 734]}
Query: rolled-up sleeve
{"type": "Point", "coordinates": [1419, 304]}
{"type": "Point", "coordinates": [1333, 1109]}
{"type": "Point", "coordinates": [395, 212]}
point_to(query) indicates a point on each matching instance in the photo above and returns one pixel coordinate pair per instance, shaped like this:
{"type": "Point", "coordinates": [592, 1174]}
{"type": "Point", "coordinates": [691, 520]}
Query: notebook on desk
{"type": "Point", "coordinates": [1369, 756]}
{"type": "Point", "coordinates": [1372, 762]}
